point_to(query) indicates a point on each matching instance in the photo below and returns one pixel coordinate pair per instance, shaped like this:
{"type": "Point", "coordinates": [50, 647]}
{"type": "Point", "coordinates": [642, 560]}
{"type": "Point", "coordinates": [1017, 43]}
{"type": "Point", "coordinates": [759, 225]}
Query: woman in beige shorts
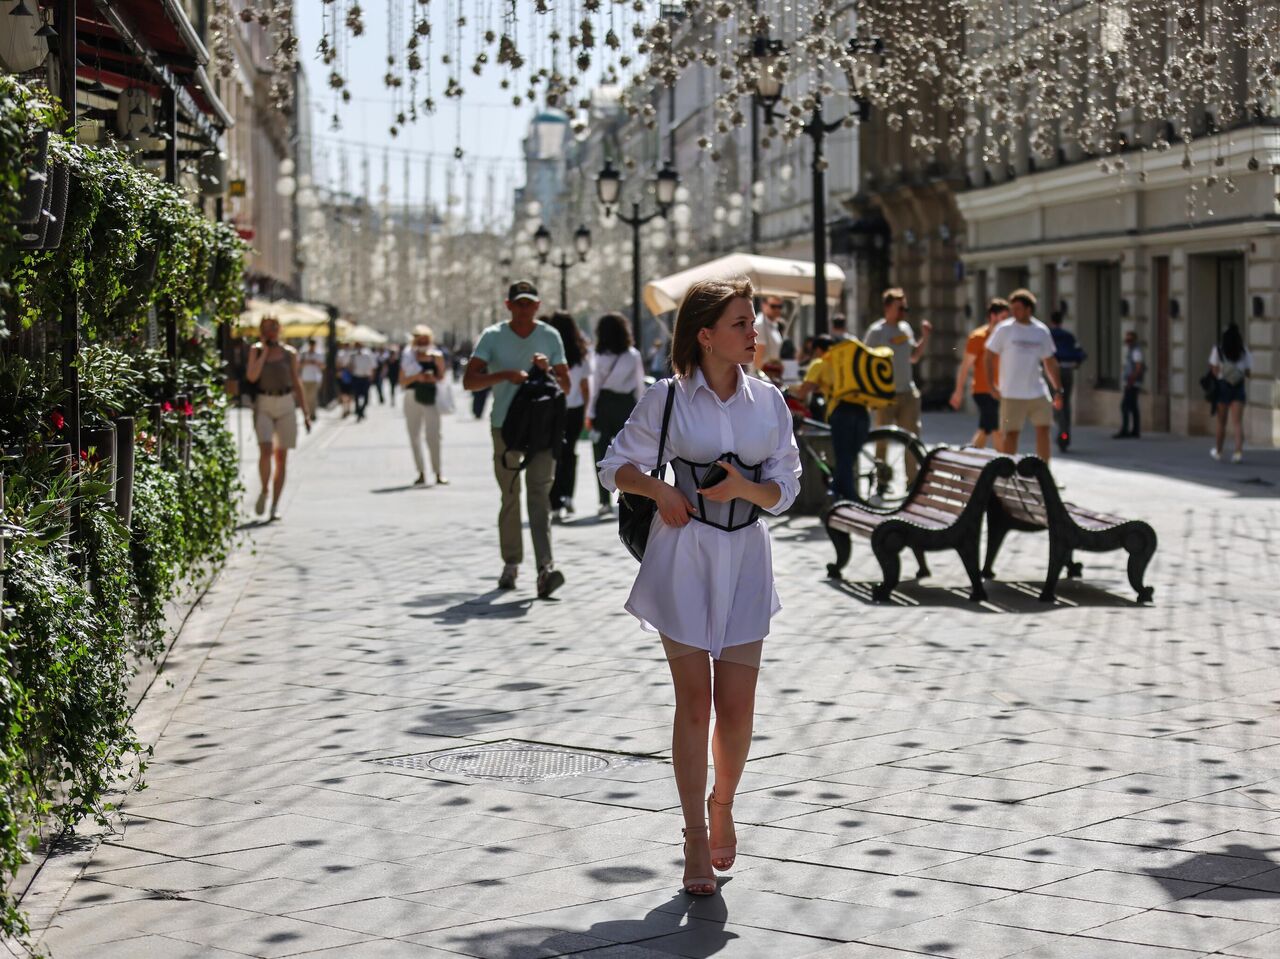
{"type": "Point", "coordinates": [273, 366]}
{"type": "Point", "coordinates": [706, 583]}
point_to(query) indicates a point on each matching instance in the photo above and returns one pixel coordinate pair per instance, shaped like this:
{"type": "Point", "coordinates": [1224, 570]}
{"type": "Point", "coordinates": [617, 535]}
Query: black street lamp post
{"type": "Point", "coordinates": [581, 245]}
{"type": "Point", "coordinates": [768, 93]}
{"type": "Point", "coordinates": [608, 189]}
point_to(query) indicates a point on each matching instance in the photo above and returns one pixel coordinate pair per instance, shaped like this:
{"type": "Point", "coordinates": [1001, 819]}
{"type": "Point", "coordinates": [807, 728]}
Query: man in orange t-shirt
{"type": "Point", "coordinates": [974, 348]}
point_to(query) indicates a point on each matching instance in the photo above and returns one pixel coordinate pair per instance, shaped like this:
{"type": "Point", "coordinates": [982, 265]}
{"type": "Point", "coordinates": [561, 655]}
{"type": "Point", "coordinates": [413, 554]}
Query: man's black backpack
{"type": "Point", "coordinates": [535, 419]}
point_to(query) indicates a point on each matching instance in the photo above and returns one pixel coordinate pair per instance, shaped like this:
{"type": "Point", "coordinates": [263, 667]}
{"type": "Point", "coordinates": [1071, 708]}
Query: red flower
{"type": "Point", "coordinates": [188, 409]}
{"type": "Point", "coordinates": [167, 407]}
{"type": "Point", "coordinates": [57, 419]}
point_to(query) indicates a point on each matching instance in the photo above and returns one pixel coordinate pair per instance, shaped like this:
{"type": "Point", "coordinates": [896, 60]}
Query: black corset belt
{"type": "Point", "coordinates": [731, 516]}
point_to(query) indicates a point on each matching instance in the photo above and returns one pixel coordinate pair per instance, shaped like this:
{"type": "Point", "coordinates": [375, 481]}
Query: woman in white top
{"type": "Point", "coordinates": [1230, 364]}
{"type": "Point", "coordinates": [706, 583]}
{"type": "Point", "coordinates": [422, 369]}
{"type": "Point", "coordinates": [575, 413]}
{"type": "Point", "coordinates": [618, 384]}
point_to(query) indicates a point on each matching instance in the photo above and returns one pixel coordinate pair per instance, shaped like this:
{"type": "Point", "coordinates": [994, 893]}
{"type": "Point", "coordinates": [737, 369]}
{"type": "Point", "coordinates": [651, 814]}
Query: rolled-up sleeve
{"type": "Point", "coordinates": [637, 444]}
{"type": "Point", "coordinates": [783, 465]}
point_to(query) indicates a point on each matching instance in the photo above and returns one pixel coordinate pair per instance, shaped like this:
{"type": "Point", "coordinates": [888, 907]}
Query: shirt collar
{"type": "Point", "coordinates": [698, 381]}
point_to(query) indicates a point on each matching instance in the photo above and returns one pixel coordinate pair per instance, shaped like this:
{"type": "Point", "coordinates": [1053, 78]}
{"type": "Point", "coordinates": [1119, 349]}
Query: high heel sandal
{"type": "Point", "coordinates": [691, 883]}
{"type": "Point", "coordinates": [723, 852]}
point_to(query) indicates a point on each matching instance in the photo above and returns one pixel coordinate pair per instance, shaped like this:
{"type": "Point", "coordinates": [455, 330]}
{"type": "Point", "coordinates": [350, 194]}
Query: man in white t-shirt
{"type": "Point", "coordinates": [362, 363]}
{"type": "Point", "coordinates": [1026, 348]}
{"type": "Point", "coordinates": [769, 336]}
{"type": "Point", "coordinates": [311, 372]}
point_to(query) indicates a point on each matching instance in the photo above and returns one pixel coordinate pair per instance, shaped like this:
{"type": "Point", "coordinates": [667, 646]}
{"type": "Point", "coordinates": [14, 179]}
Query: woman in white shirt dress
{"type": "Point", "coordinates": [706, 584]}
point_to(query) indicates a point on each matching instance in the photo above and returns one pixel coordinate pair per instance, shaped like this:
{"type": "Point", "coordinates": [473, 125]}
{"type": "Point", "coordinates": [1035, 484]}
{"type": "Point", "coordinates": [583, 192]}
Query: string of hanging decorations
{"type": "Point", "coordinates": [950, 72]}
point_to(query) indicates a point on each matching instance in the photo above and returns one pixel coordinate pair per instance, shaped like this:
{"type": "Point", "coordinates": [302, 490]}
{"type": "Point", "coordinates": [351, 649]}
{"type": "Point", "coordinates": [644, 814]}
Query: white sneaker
{"type": "Point", "coordinates": [1214, 454]}
{"type": "Point", "coordinates": [606, 509]}
{"type": "Point", "coordinates": [557, 516]}
{"type": "Point", "coordinates": [1237, 457]}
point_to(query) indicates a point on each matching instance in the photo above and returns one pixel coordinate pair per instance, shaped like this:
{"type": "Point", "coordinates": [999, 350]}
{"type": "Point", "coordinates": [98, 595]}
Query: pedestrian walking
{"type": "Point", "coordinates": [617, 385]}
{"type": "Point", "coordinates": [1069, 354]}
{"type": "Point", "coordinates": [706, 584]}
{"type": "Point", "coordinates": [422, 370]}
{"type": "Point", "coordinates": [503, 357]}
{"type": "Point", "coordinates": [659, 361]}
{"type": "Point", "coordinates": [770, 332]}
{"type": "Point", "coordinates": [893, 330]}
{"type": "Point", "coordinates": [311, 372]}
{"type": "Point", "coordinates": [975, 349]}
{"type": "Point", "coordinates": [1025, 348]}
{"type": "Point", "coordinates": [849, 421]}
{"type": "Point", "coordinates": [1134, 368]}
{"type": "Point", "coordinates": [273, 368]}
{"type": "Point", "coordinates": [393, 372]}
{"type": "Point", "coordinates": [346, 382]}
{"type": "Point", "coordinates": [579, 362]}
{"type": "Point", "coordinates": [1231, 365]}
{"type": "Point", "coordinates": [839, 328]}
{"type": "Point", "coordinates": [363, 364]}
{"type": "Point", "coordinates": [379, 373]}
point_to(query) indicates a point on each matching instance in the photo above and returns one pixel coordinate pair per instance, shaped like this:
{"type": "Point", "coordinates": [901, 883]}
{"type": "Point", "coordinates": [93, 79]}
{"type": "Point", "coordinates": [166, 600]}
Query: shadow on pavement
{"type": "Point", "coordinates": [398, 489]}
{"type": "Point", "coordinates": [696, 927]}
{"type": "Point", "coordinates": [1207, 866]}
{"type": "Point", "coordinates": [1005, 596]}
{"type": "Point", "coordinates": [479, 607]}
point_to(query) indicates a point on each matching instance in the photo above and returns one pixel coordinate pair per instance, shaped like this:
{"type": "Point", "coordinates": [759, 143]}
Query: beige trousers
{"type": "Point", "coordinates": [903, 412]}
{"type": "Point", "coordinates": [311, 393]}
{"type": "Point", "coordinates": [539, 475]}
{"type": "Point", "coordinates": [420, 418]}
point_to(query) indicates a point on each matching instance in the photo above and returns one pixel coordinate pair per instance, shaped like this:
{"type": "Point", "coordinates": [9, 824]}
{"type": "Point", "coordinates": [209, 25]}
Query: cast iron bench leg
{"type": "Point", "coordinates": [1059, 554]}
{"type": "Point", "coordinates": [1141, 545]}
{"type": "Point", "coordinates": [886, 549]}
{"type": "Point", "coordinates": [996, 532]}
{"type": "Point", "coordinates": [840, 540]}
{"type": "Point", "coordinates": [922, 568]}
{"type": "Point", "coordinates": [968, 550]}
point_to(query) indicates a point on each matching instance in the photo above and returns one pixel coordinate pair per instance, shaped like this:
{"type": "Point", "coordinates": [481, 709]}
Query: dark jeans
{"type": "Point", "coordinates": [393, 379]}
{"type": "Point", "coordinates": [1068, 376]}
{"type": "Point", "coordinates": [1129, 422]}
{"type": "Point", "coordinates": [478, 399]}
{"type": "Point", "coordinates": [567, 467]}
{"type": "Point", "coordinates": [377, 385]}
{"type": "Point", "coordinates": [360, 388]}
{"type": "Point", "coordinates": [850, 424]}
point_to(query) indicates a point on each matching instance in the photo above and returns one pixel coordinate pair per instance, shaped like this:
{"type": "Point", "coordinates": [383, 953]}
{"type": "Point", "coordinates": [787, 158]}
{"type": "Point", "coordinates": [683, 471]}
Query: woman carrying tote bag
{"type": "Point", "coordinates": [706, 582]}
{"type": "Point", "coordinates": [424, 377]}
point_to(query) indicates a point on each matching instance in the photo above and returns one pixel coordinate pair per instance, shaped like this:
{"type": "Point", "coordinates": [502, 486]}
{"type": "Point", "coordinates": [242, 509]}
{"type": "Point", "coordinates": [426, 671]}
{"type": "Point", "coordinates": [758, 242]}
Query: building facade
{"type": "Point", "coordinates": [1181, 243]}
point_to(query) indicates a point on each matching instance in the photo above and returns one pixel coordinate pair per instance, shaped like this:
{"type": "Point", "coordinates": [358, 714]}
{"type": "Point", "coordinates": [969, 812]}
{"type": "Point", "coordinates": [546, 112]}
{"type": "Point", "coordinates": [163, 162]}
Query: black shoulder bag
{"type": "Point", "coordinates": [635, 512]}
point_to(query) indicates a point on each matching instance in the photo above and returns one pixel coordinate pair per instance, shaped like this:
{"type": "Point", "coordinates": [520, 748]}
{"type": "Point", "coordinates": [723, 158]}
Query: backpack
{"type": "Point", "coordinates": [1231, 373]}
{"type": "Point", "coordinates": [535, 419]}
{"type": "Point", "coordinates": [860, 374]}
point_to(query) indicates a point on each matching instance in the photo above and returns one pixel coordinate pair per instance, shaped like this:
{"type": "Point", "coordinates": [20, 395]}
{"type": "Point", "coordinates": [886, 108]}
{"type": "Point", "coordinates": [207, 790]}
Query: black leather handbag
{"type": "Point", "coordinates": [635, 512]}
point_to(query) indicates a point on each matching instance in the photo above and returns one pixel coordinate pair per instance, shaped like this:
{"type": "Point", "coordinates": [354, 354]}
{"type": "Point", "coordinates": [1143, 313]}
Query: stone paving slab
{"type": "Point", "coordinates": [1087, 780]}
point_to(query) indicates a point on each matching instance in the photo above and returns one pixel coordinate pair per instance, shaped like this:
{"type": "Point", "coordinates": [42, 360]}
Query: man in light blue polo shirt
{"type": "Point", "coordinates": [502, 359]}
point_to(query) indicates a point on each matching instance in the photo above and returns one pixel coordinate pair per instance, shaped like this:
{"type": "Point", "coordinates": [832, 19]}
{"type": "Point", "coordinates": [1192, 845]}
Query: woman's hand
{"type": "Point", "coordinates": [733, 486]}
{"type": "Point", "coordinates": [674, 509]}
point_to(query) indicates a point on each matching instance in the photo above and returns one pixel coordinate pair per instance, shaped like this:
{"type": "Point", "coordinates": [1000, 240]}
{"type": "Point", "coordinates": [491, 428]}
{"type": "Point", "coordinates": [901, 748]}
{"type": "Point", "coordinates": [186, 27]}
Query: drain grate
{"type": "Point", "coordinates": [510, 761]}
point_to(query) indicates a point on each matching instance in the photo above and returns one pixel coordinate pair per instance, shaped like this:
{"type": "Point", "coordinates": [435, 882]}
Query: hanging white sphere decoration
{"type": "Point", "coordinates": [287, 167]}
{"type": "Point", "coordinates": [286, 186]}
{"type": "Point", "coordinates": [785, 172]}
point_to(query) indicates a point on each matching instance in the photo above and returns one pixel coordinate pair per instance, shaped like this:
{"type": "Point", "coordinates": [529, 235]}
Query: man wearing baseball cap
{"type": "Point", "coordinates": [502, 358]}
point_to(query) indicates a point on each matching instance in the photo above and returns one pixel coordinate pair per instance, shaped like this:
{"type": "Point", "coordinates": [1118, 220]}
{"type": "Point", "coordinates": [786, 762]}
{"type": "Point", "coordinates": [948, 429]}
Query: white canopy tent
{"type": "Point", "coordinates": [769, 275]}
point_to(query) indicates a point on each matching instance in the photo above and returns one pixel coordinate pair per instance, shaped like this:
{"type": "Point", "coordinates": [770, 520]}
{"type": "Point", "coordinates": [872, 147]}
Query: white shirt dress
{"type": "Point", "coordinates": [699, 585]}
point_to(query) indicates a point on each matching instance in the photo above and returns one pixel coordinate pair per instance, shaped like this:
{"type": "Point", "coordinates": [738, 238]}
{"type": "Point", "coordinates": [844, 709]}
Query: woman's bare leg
{"type": "Point", "coordinates": [735, 703]}
{"type": "Point", "coordinates": [691, 677]}
{"type": "Point", "coordinates": [1220, 436]}
{"type": "Point", "coordinates": [1237, 425]}
{"type": "Point", "coordinates": [282, 456]}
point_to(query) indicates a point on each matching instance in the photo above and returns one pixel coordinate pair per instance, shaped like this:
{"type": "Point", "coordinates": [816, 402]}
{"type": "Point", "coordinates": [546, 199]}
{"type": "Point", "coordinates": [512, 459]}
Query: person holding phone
{"type": "Point", "coordinates": [706, 583]}
{"type": "Point", "coordinates": [273, 366]}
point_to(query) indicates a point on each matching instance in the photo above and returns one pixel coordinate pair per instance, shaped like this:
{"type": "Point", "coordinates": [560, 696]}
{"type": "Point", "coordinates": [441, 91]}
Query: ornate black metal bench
{"type": "Point", "coordinates": [1030, 502]}
{"type": "Point", "coordinates": [944, 511]}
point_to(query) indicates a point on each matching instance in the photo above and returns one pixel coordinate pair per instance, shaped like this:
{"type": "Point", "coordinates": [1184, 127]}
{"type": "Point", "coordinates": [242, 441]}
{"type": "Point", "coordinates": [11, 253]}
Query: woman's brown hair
{"type": "Point", "coordinates": [702, 307]}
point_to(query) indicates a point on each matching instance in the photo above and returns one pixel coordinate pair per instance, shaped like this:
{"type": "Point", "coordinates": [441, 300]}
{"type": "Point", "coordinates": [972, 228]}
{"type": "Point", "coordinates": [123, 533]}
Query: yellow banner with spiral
{"type": "Point", "coordinates": [860, 374]}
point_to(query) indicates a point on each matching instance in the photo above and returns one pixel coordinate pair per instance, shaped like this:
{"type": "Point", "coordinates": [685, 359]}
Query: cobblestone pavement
{"type": "Point", "coordinates": [1087, 780]}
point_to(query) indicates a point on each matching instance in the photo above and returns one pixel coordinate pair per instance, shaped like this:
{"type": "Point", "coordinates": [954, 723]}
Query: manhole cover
{"type": "Point", "coordinates": [510, 761]}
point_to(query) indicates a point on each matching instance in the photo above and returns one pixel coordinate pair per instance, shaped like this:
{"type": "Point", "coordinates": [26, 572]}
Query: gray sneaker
{"type": "Point", "coordinates": [508, 578]}
{"type": "Point", "coordinates": [549, 580]}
